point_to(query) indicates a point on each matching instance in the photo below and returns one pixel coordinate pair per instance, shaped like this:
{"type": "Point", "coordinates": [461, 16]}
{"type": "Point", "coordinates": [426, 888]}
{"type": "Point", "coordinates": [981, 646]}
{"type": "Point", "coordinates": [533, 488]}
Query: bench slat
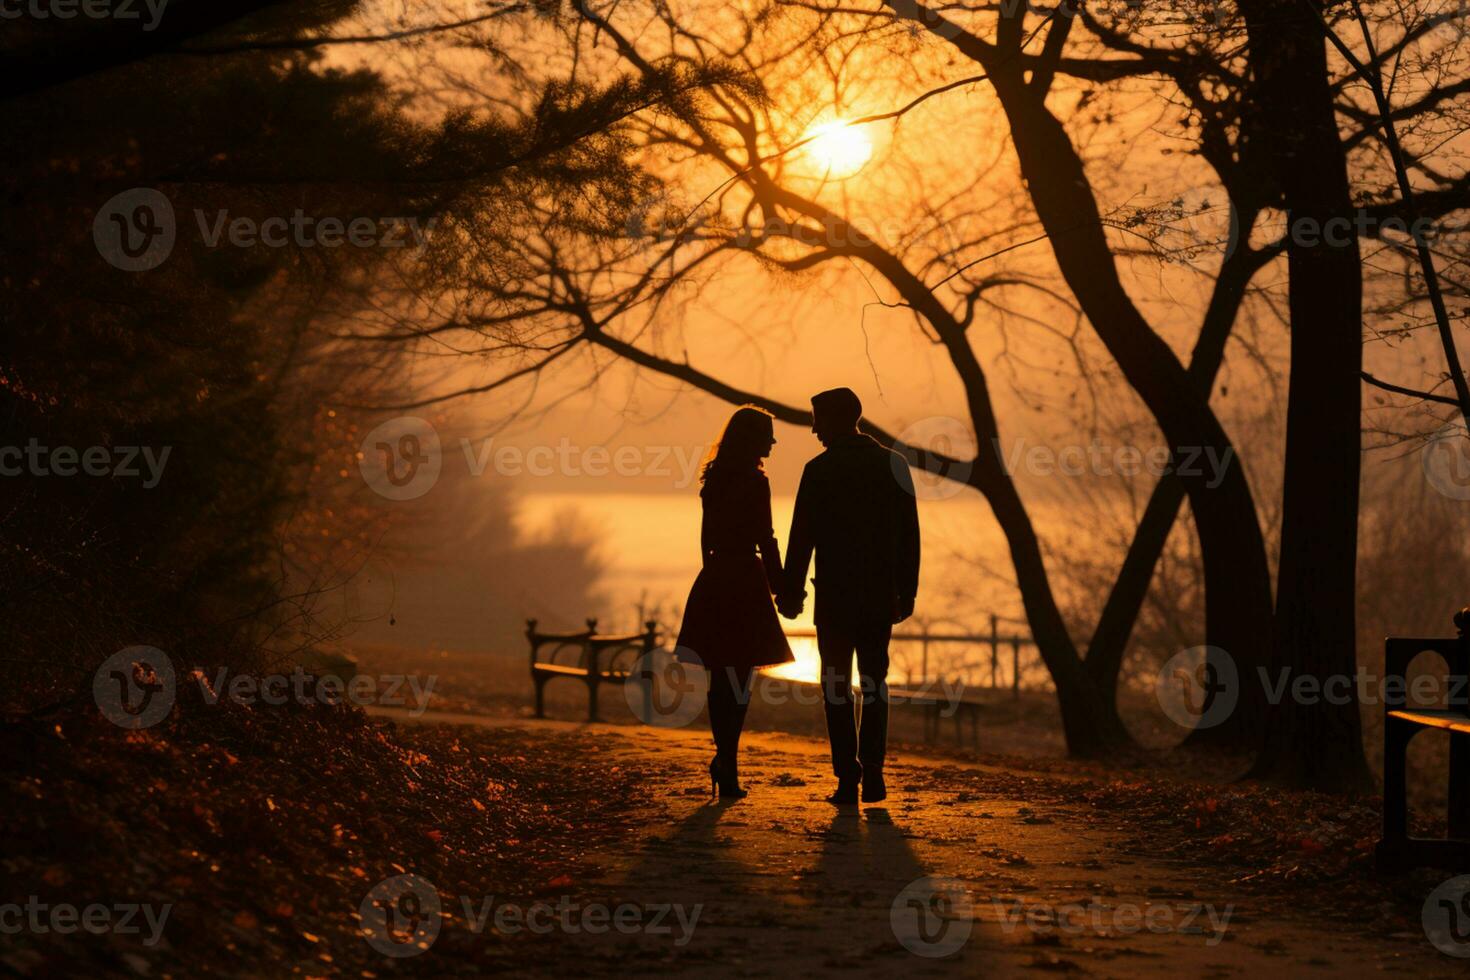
{"type": "Point", "coordinates": [550, 668]}
{"type": "Point", "coordinates": [616, 673]}
{"type": "Point", "coordinates": [1455, 721]}
{"type": "Point", "coordinates": [920, 695]}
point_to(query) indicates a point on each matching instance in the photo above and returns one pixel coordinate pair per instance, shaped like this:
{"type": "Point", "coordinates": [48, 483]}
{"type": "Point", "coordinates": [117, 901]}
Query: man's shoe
{"type": "Point", "coordinates": [846, 792]}
{"type": "Point", "coordinates": [873, 789]}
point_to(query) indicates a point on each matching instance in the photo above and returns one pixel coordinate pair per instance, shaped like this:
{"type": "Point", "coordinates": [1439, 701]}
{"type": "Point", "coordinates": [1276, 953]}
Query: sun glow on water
{"type": "Point", "coordinates": [806, 667]}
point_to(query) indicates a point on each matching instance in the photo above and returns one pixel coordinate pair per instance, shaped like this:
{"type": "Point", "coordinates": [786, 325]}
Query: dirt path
{"type": "Point", "coordinates": [940, 876]}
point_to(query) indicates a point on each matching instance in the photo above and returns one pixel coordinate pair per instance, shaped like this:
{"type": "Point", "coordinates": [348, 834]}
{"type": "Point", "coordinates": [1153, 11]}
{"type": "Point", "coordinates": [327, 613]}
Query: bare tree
{"type": "Point", "coordinates": [579, 285]}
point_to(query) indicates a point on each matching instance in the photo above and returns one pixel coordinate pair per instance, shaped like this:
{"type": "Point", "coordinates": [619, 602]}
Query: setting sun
{"type": "Point", "coordinates": [841, 149]}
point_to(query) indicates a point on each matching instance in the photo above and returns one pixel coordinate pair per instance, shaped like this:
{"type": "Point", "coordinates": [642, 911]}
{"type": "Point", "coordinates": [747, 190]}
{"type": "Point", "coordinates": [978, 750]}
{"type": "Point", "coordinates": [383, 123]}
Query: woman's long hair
{"type": "Point", "coordinates": [739, 449]}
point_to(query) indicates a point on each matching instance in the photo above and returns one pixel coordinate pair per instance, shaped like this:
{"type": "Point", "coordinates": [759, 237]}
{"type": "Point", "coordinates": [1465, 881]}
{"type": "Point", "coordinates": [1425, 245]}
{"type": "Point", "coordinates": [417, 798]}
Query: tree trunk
{"type": "Point", "coordinates": [1090, 721]}
{"type": "Point", "coordinates": [1310, 742]}
{"type": "Point", "coordinates": [1237, 578]}
{"type": "Point", "coordinates": [1115, 625]}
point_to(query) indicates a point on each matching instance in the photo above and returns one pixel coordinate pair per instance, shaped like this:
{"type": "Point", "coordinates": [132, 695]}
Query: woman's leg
{"type": "Point", "coordinates": [739, 681]}
{"type": "Point", "coordinates": [718, 703]}
{"type": "Point", "coordinates": [728, 694]}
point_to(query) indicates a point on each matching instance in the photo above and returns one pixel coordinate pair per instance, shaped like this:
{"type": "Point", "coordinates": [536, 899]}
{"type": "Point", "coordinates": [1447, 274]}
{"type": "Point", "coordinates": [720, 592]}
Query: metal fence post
{"type": "Point", "coordinates": [1015, 666]}
{"type": "Point", "coordinates": [924, 657]}
{"type": "Point", "coordinates": [994, 652]}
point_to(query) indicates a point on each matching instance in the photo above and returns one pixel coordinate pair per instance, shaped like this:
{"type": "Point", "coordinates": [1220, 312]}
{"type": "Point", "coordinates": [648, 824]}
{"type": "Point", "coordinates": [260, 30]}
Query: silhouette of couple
{"type": "Point", "coordinates": [857, 511]}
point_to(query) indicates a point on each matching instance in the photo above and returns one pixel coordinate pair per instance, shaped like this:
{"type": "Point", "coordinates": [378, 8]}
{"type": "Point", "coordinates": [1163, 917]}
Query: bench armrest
{"type": "Point", "coordinates": [590, 645]}
{"type": "Point", "coordinates": [562, 640]}
{"type": "Point", "coordinates": [1399, 652]}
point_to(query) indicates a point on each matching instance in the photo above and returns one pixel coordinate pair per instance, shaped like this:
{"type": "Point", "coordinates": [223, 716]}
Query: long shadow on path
{"type": "Point", "coordinates": [883, 898]}
{"type": "Point", "coordinates": [783, 884]}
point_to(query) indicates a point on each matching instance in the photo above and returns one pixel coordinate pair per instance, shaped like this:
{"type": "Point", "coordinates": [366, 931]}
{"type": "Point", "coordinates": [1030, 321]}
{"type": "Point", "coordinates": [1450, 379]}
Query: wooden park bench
{"type": "Point", "coordinates": [934, 703]}
{"type": "Point", "coordinates": [1401, 723]}
{"type": "Point", "coordinates": [595, 658]}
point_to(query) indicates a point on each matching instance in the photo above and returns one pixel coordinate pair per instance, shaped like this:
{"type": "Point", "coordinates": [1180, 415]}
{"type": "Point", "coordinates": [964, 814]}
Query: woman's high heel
{"type": "Point", "coordinates": [725, 781]}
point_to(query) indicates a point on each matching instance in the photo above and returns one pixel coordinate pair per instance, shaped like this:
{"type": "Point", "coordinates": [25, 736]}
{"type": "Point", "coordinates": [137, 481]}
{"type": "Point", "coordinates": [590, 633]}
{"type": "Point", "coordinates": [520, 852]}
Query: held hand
{"type": "Point", "coordinates": [903, 608]}
{"type": "Point", "coordinates": [790, 606]}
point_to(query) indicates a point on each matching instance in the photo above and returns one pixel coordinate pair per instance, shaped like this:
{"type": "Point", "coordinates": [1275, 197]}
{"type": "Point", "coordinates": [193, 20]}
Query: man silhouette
{"type": "Point", "coordinates": [857, 510]}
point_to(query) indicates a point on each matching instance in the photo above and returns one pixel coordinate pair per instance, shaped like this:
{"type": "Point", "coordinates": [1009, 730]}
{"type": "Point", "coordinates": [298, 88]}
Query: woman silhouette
{"type": "Point", "coordinates": [730, 625]}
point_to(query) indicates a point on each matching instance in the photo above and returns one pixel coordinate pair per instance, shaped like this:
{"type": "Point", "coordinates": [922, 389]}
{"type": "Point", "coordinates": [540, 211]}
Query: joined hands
{"type": "Point", "coordinates": [791, 604]}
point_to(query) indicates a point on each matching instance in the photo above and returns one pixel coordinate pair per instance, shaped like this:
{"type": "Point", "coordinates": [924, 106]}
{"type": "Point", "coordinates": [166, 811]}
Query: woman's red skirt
{"type": "Point", "coordinates": [730, 619]}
